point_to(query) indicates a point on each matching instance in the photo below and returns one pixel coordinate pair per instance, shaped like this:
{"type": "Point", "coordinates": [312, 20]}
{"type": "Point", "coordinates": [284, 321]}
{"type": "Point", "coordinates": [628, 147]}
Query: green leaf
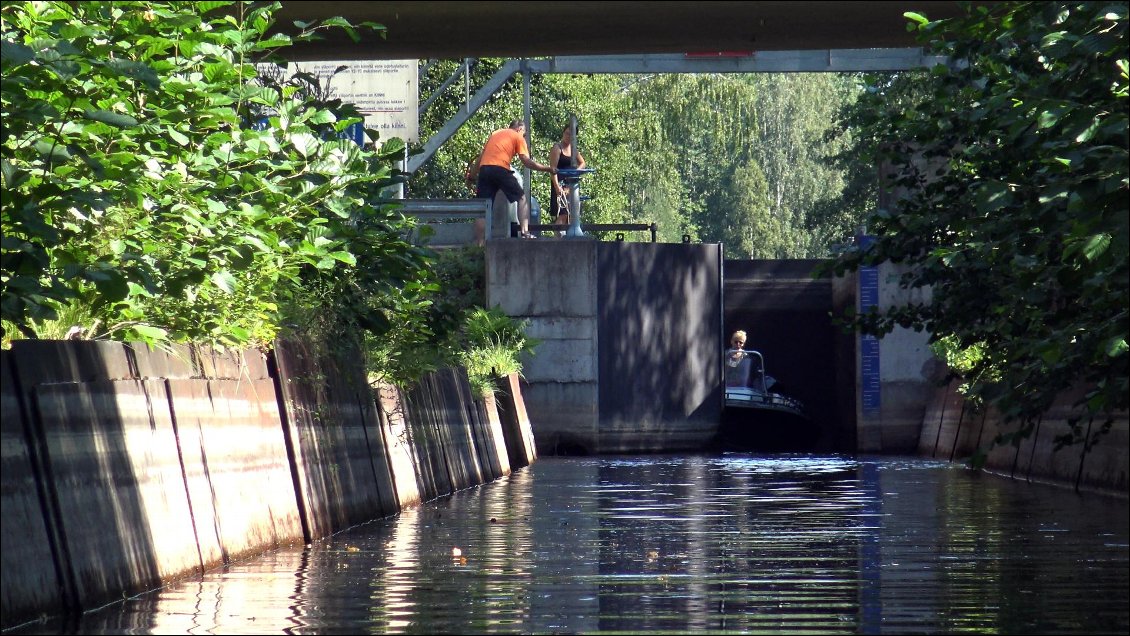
{"type": "Point", "coordinates": [909, 15]}
{"type": "Point", "coordinates": [1051, 38]}
{"type": "Point", "coordinates": [344, 257]}
{"type": "Point", "coordinates": [304, 143]}
{"type": "Point", "coordinates": [1087, 134]}
{"type": "Point", "coordinates": [992, 196]}
{"type": "Point", "coordinates": [1116, 346]}
{"type": "Point", "coordinates": [1051, 353]}
{"type": "Point", "coordinates": [52, 151]}
{"type": "Point", "coordinates": [13, 54]}
{"type": "Point", "coordinates": [134, 70]}
{"type": "Point", "coordinates": [111, 118]}
{"type": "Point", "coordinates": [322, 117]}
{"type": "Point", "coordinates": [275, 41]}
{"type": "Point", "coordinates": [1096, 246]}
{"type": "Point", "coordinates": [225, 281]}
{"type": "Point", "coordinates": [336, 21]}
{"type": "Point", "coordinates": [178, 137]}
{"type": "Point", "coordinates": [150, 332]}
{"type": "Point", "coordinates": [210, 5]}
{"type": "Point", "coordinates": [111, 285]}
{"type": "Point", "coordinates": [138, 290]}
{"type": "Point", "coordinates": [13, 176]}
{"type": "Point", "coordinates": [1049, 118]}
{"type": "Point", "coordinates": [239, 333]}
{"type": "Point", "coordinates": [1058, 195]}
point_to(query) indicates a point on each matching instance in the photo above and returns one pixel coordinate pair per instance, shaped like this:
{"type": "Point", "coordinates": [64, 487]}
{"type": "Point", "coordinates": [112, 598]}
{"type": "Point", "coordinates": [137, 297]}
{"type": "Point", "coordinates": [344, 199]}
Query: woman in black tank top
{"type": "Point", "coordinates": [561, 156]}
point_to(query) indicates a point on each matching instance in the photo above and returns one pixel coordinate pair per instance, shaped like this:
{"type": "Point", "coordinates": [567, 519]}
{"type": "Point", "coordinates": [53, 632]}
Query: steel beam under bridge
{"type": "Point", "coordinates": [820, 61]}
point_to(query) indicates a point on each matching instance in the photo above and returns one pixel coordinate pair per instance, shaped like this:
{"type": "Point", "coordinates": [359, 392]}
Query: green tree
{"type": "Point", "coordinates": [668, 149]}
{"type": "Point", "coordinates": [1014, 168]}
{"type": "Point", "coordinates": [853, 143]}
{"type": "Point", "coordinates": [794, 113]}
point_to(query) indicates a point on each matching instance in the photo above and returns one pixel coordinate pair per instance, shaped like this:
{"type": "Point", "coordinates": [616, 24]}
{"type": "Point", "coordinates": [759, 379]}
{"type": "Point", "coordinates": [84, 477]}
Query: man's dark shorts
{"type": "Point", "coordinates": [493, 178]}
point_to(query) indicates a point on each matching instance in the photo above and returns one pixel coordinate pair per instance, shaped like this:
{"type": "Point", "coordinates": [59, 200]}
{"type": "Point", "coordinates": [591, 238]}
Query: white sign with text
{"type": "Point", "coordinates": [385, 91]}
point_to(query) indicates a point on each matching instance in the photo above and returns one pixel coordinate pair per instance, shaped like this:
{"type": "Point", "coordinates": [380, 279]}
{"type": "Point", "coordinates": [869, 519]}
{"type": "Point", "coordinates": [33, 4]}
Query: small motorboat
{"type": "Point", "coordinates": [755, 416]}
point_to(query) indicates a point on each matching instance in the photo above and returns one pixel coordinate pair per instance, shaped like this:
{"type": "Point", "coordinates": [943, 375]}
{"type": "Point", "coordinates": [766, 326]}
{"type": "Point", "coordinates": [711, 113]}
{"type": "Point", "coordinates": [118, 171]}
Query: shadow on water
{"type": "Point", "coordinates": [687, 544]}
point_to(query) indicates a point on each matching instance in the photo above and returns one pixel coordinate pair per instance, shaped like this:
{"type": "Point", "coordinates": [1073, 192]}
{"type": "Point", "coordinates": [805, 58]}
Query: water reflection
{"type": "Point", "coordinates": [686, 544]}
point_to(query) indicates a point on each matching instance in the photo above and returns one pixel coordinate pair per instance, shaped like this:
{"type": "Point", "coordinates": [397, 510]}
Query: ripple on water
{"type": "Point", "coordinates": [731, 543]}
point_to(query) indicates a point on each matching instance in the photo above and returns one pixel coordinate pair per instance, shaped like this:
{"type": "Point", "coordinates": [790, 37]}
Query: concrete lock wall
{"type": "Point", "coordinates": [125, 468]}
{"type": "Point", "coordinates": [908, 371]}
{"type": "Point", "coordinates": [552, 285]}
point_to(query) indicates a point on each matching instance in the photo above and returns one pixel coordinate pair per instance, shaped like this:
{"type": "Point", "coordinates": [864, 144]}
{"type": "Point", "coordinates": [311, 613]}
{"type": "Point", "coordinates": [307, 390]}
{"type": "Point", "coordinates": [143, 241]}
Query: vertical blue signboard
{"type": "Point", "coordinates": [868, 344]}
{"type": "Point", "coordinates": [356, 133]}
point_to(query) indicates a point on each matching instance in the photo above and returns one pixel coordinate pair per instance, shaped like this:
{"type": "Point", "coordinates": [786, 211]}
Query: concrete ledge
{"type": "Point", "coordinates": [657, 436]}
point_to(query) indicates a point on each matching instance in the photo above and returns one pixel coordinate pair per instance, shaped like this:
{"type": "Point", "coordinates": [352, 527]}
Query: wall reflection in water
{"type": "Point", "coordinates": [780, 544]}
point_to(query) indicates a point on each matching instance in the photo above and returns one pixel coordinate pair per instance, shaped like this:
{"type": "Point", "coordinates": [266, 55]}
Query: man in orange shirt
{"type": "Point", "coordinates": [491, 171]}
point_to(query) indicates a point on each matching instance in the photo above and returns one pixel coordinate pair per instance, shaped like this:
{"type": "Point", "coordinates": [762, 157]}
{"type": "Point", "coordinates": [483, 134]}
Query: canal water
{"type": "Point", "coordinates": [682, 544]}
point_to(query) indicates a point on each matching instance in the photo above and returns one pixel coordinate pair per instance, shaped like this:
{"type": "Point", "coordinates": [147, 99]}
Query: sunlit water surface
{"type": "Point", "coordinates": [674, 544]}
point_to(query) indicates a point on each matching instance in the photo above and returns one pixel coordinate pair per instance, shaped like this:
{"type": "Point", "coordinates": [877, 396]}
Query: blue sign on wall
{"type": "Point", "coordinates": [868, 345]}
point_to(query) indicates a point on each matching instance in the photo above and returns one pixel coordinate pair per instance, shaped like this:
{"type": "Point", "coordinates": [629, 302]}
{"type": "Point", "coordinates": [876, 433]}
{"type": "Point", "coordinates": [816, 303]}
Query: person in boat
{"type": "Point", "coordinates": [737, 362]}
{"type": "Point", "coordinates": [737, 342]}
{"type": "Point", "coordinates": [743, 369]}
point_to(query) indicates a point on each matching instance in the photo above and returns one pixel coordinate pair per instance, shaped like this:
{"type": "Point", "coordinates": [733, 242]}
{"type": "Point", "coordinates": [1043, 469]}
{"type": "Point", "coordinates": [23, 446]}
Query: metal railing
{"type": "Point", "coordinates": [433, 212]}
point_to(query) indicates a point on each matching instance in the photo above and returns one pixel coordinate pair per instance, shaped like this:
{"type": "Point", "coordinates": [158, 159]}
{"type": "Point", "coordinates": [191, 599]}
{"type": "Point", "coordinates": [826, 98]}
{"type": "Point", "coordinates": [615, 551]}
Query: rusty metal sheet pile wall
{"type": "Point", "coordinates": [124, 513]}
{"type": "Point", "coordinates": [434, 476]}
{"type": "Point", "coordinates": [236, 468]}
{"type": "Point", "coordinates": [398, 445]}
{"type": "Point", "coordinates": [456, 440]}
{"type": "Point", "coordinates": [953, 430]}
{"type": "Point", "coordinates": [125, 467]}
{"type": "Point", "coordinates": [494, 440]}
{"type": "Point", "coordinates": [25, 546]}
{"type": "Point", "coordinates": [339, 482]}
{"type": "Point", "coordinates": [515, 423]}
